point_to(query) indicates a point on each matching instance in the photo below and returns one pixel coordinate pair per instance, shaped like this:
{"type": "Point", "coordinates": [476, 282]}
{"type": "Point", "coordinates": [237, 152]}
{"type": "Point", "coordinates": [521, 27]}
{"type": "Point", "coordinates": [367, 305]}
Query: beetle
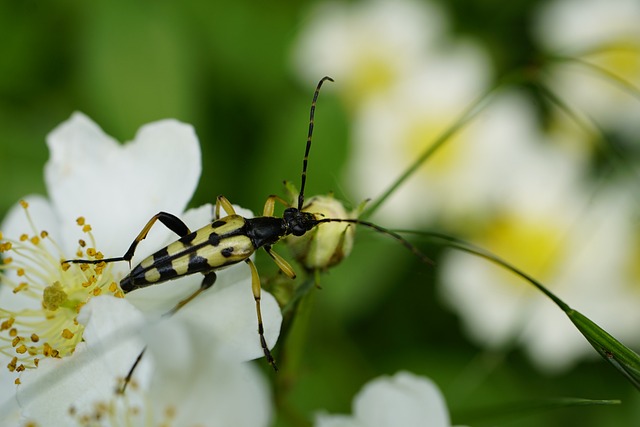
{"type": "Point", "coordinates": [229, 240]}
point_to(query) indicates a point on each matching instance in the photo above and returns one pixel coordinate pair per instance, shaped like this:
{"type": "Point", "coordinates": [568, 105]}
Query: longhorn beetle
{"type": "Point", "coordinates": [227, 241]}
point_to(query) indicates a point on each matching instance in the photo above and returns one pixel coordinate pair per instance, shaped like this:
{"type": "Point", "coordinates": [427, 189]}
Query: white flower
{"type": "Point", "coordinates": [604, 33]}
{"type": "Point", "coordinates": [186, 377]}
{"type": "Point", "coordinates": [54, 393]}
{"type": "Point", "coordinates": [367, 46]}
{"type": "Point", "coordinates": [467, 175]}
{"type": "Point", "coordinates": [576, 244]}
{"type": "Point", "coordinates": [117, 188]}
{"type": "Point", "coordinates": [404, 399]}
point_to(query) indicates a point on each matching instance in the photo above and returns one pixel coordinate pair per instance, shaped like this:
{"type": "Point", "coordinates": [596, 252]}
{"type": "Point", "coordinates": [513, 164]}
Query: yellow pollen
{"type": "Point", "coordinates": [36, 361]}
{"type": "Point", "coordinates": [5, 246]}
{"type": "Point", "coordinates": [78, 307]}
{"type": "Point", "coordinates": [8, 260]}
{"type": "Point", "coordinates": [13, 332]}
{"type": "Point", "coordinates": [170, 412]}
{"type": "Point", "coordinates": [24, 237]}
{"type": "Point", "coordinates": [17, 381]}
{"type": "Point", "coordinates": [21, 349]}
{"type": "Point", "coordinates": [35, 240]}
{"type": "Point", "coordinates": [53, 296]}
{"type": "Point", "coordinates": [15, 341]}
{"type": "Point", "coordinates": [22, 286]}
{"type": "Point", "coordinates": [97, 291]}
{"type": "Point", "coordinates": [80, 220]}
{"type": "Point", "coordinates": [44, 234]}
{"type": "Point", "coordinates": [86, 228]}
{"type": "Point", "coordinates": [91, 252]}
{"type": "Point", "coordinates": [46, 349]}
{"type": "Point", "coordinates": [7, 324]}
{"type": "Point", "coordinates": [84, 267]}
{"type": "Point", "coordinates": [20, 272]}
{"type": "Point", "coordinates": [119, 294]}
{"type": "Point", "coordinates": [113, 287]}
{"type": "Point", "coordinates": [20, 368]}
{"type": "Point", "coordinates": [82, 243]}
{"type": "Point", "coordinates": [24, 204]}
{"type": "Point", "coordinates": [65, 266]}
{"type": "Point", "coordinates": [33, 351]}
{"type": "Point", "coordinates": [67, 334]}
{"type": "Point", "coordinates": [13, 364]}
{"type": "Point", "coordinates": [35, 338]}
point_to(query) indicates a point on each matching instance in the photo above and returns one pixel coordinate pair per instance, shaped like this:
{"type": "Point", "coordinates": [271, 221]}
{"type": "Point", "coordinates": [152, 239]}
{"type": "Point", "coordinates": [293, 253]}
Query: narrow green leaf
{"type": "Point", "coordinates": [520, 409]}
{"type": "Point", "coordinates": [625, 360]}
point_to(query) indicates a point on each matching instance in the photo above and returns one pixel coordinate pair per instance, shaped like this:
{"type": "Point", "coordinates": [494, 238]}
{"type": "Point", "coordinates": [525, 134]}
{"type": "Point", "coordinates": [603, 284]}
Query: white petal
{"type": "Point", "coordinates": [194, 377]}
{"type": "Point", "coordinates": [118, 188]}
{"type": "Point", "coordinates": [402, 400]}
{"type": "Point", "coordinates": [328, 420]}
{"type": "Point", "coordinates": [229, 313]}
{"type": "Point", "coordinates": [88, 376]}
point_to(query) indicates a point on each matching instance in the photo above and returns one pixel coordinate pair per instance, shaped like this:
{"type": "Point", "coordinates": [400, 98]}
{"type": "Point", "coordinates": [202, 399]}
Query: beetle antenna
{"type": "Point", "coordinates": [306, 152]}
{"type": "Point", "coordinates": [386, 231]}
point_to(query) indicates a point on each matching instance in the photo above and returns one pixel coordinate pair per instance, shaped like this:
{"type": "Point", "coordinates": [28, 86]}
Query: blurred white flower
{"type": "Point", "coordinates": [604, 33]}
{"type": "Point", "coordinates": [368, 46]}
{"type": "Point", "coordinates": [466, 176]}
{"type": "Point", "coordinates": [577, 244]}
{"type": "Point", "coordinates": [404, 400]}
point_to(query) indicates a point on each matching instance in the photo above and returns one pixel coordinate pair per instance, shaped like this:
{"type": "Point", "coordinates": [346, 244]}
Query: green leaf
{"type": "Point", "coordinates": [625, 360]}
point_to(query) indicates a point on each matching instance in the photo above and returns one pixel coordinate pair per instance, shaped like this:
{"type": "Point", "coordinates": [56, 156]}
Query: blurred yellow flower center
{"type": "Point", "coordinates": [371, 74]}
{"type": "Point", "coordinates": [533, 245]}
{"type": "Point", "coordinates": [422, 135]}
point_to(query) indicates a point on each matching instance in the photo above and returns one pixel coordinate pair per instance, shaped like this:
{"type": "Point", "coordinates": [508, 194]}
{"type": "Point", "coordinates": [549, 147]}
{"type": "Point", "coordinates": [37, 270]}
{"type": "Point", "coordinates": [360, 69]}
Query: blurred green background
{"type": "Point", "coordinates": [225, 68]}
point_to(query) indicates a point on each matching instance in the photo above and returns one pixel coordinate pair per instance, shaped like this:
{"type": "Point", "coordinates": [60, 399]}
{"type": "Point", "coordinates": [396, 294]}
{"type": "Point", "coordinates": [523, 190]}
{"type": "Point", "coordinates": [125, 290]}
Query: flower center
{"type": "Point", "coordinates": [41, 296]}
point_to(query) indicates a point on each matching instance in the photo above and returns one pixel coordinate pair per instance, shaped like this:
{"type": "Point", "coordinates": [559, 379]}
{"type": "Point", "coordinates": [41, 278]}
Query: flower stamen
{"type": "Point", "coordinates": [38, 316]}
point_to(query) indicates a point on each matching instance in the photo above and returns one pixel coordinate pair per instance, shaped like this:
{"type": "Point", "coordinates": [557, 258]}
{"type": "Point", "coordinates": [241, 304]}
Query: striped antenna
{"type": "Point", "coordinates": [306, 152]}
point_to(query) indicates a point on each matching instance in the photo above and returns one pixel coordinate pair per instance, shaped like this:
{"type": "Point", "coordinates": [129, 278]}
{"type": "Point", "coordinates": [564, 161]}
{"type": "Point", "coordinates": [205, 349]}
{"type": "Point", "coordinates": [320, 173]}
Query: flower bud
{"type": "Point", "coordinates": [327, 244]}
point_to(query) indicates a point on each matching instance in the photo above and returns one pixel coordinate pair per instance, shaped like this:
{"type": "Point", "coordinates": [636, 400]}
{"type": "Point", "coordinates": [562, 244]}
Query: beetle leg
{"type": "Point", "coordinates": [270, 205]}
{"type": "Point", "coordinates": [172, 222]}
{"type": "Point", "coordinates": [255, 288]}
{"type": "Point", "coordinates": [226, 205]}
{"type": "Point", "coordinates": [283, 265]}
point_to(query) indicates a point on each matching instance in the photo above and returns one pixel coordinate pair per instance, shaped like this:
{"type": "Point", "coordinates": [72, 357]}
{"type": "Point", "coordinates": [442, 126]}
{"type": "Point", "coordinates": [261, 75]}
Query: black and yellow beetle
{"type": "Point", "coordinates": [227, 241]}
